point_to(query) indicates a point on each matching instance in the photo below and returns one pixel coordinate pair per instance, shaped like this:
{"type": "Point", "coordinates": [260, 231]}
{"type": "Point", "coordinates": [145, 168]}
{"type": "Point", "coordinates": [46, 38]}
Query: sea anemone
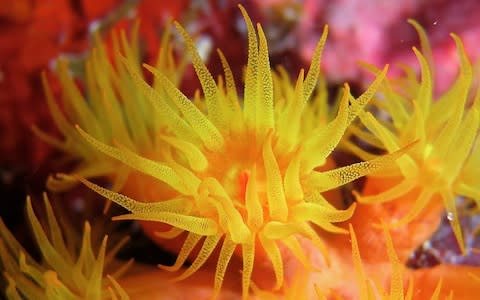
{"type": "Point", "coordinates": [247, 174]}
{"type": "Point", "coordinates": [68, 270]}
{"type": "Point", "coordinates": [441, 165]}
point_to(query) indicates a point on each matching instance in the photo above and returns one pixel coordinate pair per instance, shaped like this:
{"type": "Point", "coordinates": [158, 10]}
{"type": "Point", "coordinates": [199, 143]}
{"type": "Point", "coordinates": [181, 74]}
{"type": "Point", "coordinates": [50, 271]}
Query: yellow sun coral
{"type": "Point", "coordinates": [444, 161]}
{"type": "Point", "coordinates": [243, 174]}
{"type": "Point", "coordinates": [372, 289]}
{"type": "Point", "coordinates": [65, 272]}
{"type": "Point", "coordinates": [368, 287]}
{"type": "Point", "coordinates": [113, 108]}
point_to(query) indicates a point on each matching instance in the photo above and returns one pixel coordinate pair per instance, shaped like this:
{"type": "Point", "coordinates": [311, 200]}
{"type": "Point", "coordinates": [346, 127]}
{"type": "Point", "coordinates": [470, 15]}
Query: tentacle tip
{"type": "Point", "coordinates": [72, 177]}
{"type": "Point", "coordinates": [118, 218]}
{"type": "Point", "coordinates": [353, 206]}
{"type": "Point", "coordinates": [358, 196]}
{"type": "Point", "coordinates": [277, 287]}
{"type": "Point", "coordinates": [453, 35]}
{"type": "Point", "coordinates": [343, 231]}
{"type": "Point", "coordinates": [169, 269]}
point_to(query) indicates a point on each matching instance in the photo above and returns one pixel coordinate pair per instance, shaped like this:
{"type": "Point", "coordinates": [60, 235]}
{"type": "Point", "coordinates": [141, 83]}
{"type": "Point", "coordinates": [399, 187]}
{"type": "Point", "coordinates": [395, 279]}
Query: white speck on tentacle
{"type": "Point", "coordinates": [450, 216]}
{"type": "Point", "coordinates": [427, 244]}
{"type": "Point", "coordinates": [204, 46]}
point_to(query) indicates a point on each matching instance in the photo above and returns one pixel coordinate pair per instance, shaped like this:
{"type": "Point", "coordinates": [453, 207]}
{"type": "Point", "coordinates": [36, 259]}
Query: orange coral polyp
{"type": "Point", "coordinates": [67, 270]}
{"type": "Point", "coordinates": [243, 175]}
{"type": "Point", "coordinates": [446, 131]}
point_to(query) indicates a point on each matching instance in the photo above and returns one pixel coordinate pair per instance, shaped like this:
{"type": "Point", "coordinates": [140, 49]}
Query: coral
{"type": "Point", "coordinates": [69, 270]}
{"type": "Point", "coordinates": [369, 287]}
{"type": "Point", "coordinates": [380, 38]}
{"type": "Point", "coordinates": [437, 168]}
{"type": "Point", "coordinates": [241, 184]}
{"type": "Point", "coordinates": [242, 173]}
{"type": "Point", "coordinates": [111, 93]}
{"type": "Point", "coordinates": [36, 33]}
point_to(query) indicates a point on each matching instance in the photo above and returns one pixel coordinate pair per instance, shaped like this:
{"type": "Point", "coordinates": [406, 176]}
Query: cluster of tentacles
{"type": "Point", "coordinates": [246, 177]}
